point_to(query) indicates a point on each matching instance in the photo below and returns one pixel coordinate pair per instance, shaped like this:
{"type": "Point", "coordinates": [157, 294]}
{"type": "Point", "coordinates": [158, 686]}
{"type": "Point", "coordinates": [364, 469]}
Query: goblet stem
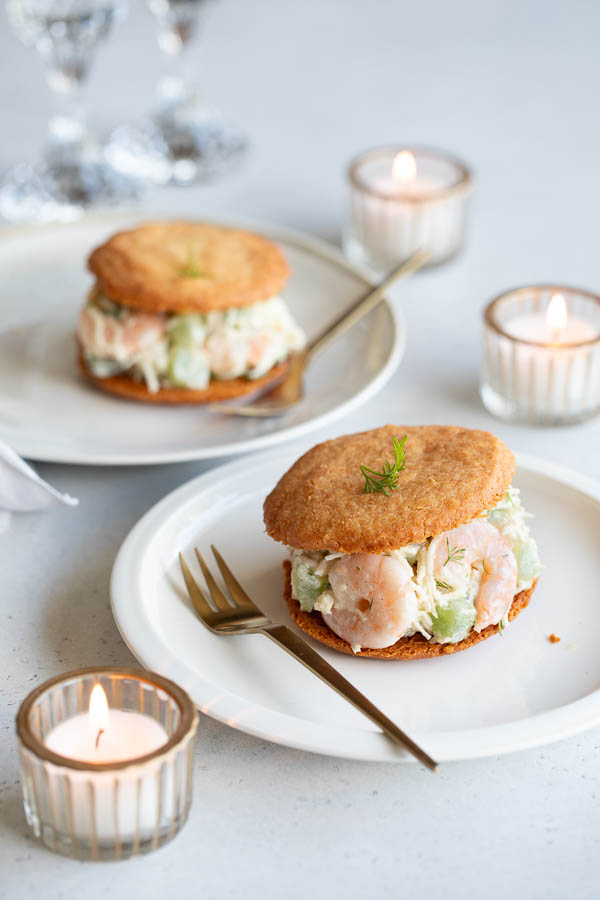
{"type": "Point", "coordinates": [178, 22]}
{"type": "Point", "coordinates": [178, 40]}
{"type": "Point", "coordinates": [67, 129]}
{"type": "Point", "coordinates": [171, 90]}
{"type": "Point", "coordinates": [66, 66]}
{"type": "Point", "coordinates": [184, 139]}
{"type": "Point", "coordinates": [74, 173]}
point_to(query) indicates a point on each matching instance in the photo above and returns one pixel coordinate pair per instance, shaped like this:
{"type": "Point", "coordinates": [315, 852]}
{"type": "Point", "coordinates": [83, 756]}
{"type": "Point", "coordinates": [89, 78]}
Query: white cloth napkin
{"type": "Point", "coordinates": [22, 489]}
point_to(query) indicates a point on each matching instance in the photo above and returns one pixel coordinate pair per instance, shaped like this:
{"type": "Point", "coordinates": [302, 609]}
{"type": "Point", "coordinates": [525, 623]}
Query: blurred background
{"type": "Point", "coordinates": [510, 86]}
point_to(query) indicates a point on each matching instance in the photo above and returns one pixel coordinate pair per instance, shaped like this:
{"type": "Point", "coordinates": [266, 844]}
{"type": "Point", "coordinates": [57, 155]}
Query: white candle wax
{"type": "Point", "coordinates": [411, 217]}
{"type": "Point", "coordinates": [132, 806]}
{"type": "Point", "coordinates": [419, 186]}
{"type": "Point", "coordinates": [535, 327]}
{"type": "Point", "coordinates": [403, 200]}
{"type": "Point", "coordinates": [127, 734]}
{"type": "Point", "coordinates": [550, 379]}
{"type": "Point", "coordinates": [108, 783]}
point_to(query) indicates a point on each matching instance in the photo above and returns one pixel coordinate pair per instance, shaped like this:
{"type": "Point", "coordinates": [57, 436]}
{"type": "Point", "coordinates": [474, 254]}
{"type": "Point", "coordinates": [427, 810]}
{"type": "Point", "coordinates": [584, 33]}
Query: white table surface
{"type": "Point", "coordinates": [512, 87]}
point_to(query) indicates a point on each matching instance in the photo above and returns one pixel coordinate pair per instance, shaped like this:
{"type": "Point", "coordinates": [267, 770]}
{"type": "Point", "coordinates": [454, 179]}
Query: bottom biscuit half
{"type": "Point", "coordinates": [414, 647]}
{"type": "Point", "coordinates": [125, 386]}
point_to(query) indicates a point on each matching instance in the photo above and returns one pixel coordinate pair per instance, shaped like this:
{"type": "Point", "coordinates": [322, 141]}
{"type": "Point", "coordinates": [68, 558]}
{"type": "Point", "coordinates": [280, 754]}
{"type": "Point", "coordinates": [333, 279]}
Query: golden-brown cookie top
{"type": "Point", "coordinates": [188, 267]}
{"type": "Point", "coordinates": [452, 474]}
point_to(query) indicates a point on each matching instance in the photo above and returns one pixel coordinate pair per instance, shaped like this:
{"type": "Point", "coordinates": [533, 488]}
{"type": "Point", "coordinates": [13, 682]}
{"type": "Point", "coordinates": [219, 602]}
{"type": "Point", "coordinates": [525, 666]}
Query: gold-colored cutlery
{"type": "Point", "coordinates": [238, 614]}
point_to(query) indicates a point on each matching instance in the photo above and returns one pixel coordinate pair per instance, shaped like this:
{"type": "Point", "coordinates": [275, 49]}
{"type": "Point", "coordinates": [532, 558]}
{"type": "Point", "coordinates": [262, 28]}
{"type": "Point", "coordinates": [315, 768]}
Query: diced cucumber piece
{"type": "Point", "coordinates": [188, 368]}
{"type": "Point", "coordinates": [528, 560]}
{"type": "Point", "coordinates": [306, 586]}
{"type": "Point", "coordinates": [187, 330]}
{"type": "Point", "coordinates": [453, 622]}
{"type": "Point", "coordinates": [498, 517]}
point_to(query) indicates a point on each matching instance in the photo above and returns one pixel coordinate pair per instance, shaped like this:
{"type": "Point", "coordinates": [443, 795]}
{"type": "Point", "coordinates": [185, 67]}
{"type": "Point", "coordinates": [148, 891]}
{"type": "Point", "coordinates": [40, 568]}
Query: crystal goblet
{"type": "Point", "coordinates": [184, 139]}
{"type": "Point", "coordinates": [74, 174]}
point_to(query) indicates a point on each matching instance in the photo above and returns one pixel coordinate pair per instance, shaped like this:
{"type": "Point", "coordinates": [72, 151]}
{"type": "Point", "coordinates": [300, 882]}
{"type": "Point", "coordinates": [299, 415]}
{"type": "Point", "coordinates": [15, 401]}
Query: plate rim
{"type": "Point", "coordinates": [310, 243]}
{"type": "Point", "coordinates": [289, 730]}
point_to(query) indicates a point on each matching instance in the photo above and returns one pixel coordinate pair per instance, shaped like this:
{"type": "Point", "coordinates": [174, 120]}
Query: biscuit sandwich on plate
{"type": "Point", "coordinates": [405, 542]}
{"type": "Point", "coordinates": [185, 312]}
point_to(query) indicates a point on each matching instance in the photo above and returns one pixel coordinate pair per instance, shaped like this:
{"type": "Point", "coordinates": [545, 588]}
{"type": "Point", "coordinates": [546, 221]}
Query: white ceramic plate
{"type": "Point", "coordinates": [49, 412]}
{"type": "Point", "coordinates": [508, 693]}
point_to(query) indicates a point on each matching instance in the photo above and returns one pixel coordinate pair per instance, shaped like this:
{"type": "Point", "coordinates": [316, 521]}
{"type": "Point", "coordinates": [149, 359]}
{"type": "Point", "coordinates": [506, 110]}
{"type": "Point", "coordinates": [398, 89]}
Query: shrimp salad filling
{"type": "Point", "coordinates": [186, 350]}
{"type": "Point", "coordinates": [462, 580]}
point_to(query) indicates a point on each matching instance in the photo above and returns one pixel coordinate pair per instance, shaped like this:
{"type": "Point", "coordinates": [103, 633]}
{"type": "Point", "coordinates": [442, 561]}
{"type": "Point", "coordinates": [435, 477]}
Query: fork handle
{"type": "Point", "coordinates": [301, 651]}
{"type": "Point", "coordinates": [367, 302]}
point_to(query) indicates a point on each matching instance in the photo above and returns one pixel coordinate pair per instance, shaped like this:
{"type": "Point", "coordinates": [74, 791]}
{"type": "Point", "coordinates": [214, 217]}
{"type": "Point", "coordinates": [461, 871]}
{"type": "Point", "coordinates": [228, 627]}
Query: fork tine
{"type": "Point", "coordinates": [236, 590]}
{"type": "Point", "coordinates": [198, 599]}
{"type": "Point", "coordinates": [218, 597]}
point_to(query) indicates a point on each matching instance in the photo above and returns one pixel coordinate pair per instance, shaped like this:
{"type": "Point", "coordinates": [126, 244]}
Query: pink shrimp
{"type": "Point", "coordinates": [228, 355]}
{"type": "Point", "coordinates": [121, 339]}
{"type": "Point", "coordinates": [478, 545]}
{"type": "Point", "coordinates": [258, 345]}
{"type": "Point", "coordinates": [374, 600]}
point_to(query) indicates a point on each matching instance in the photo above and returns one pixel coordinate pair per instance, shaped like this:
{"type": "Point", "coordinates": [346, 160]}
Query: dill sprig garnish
{"type": "Point", "coordinates": [443, 585]}
{"type": "Point", "coordinates": [386, 481]}
{"type": "Point", "coordinates": [501, 627]}
{"type": "Point", "coordinates": [191, 269]}
{"type": "Point", "coordinates": [454, 553]}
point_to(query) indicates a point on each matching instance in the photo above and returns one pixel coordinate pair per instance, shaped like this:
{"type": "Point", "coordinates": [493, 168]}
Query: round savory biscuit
{"type": "Point", "coordinates": [125, 386]}
{"type": "Point", "coordinates": [452, 474]}
{"type": "Point", "coordinates": [188, 267]}
{"type": "Point", "coordinates": [414, 647]}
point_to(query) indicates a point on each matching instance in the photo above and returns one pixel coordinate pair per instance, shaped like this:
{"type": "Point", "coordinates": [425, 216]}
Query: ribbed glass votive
{"type": "Point", "coordinates": [403, 199]}
{"type": "Point", "coordinates": [109, 809]}
{"type": "Point", "coordinates": [541, 355]}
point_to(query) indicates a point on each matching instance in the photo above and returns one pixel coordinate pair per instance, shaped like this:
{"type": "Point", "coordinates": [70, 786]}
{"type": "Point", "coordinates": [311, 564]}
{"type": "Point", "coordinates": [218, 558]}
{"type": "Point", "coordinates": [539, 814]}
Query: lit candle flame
{"type": "Point", "coordinates": [98, 711]}
{"type": "Point", "coordinates": [404, 167]}
{"type": "Point", "coordinates": [556, 314]}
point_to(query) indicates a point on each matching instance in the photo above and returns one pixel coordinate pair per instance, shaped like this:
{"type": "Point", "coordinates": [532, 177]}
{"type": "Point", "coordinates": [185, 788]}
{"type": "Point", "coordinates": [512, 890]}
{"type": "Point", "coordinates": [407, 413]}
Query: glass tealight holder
{"type": "Point", "coordinates": [541, 355]}
{"type": "Point", "coordinates": [403, 199]}
{"type": "Point", "coordinates": [114, 809]}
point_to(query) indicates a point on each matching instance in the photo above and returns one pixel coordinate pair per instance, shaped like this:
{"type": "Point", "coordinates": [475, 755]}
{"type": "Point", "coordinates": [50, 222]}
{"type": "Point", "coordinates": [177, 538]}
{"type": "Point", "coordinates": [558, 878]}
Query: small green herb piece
{"type": "Point", "coordinates": [191, 269]}
{"type": "Point", "coordinates": [371, 603]}
{"type": "Point", "coordinates": [443, 585]}
{"type": "Point", "coordinates": [357, 568]}
{"type": "Point", "coordinates": [454, 553]}
{"type": "Point", "coordinates": [386, 481]}
{"type": "Point", "coordinates": [501, 628]}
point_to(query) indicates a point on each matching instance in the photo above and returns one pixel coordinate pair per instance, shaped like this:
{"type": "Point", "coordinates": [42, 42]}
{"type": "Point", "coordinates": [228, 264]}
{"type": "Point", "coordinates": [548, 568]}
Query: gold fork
{"type": "Point", "coordinates": [290, 389]}
{"type": "Point", "coordinates": [238, 614]}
